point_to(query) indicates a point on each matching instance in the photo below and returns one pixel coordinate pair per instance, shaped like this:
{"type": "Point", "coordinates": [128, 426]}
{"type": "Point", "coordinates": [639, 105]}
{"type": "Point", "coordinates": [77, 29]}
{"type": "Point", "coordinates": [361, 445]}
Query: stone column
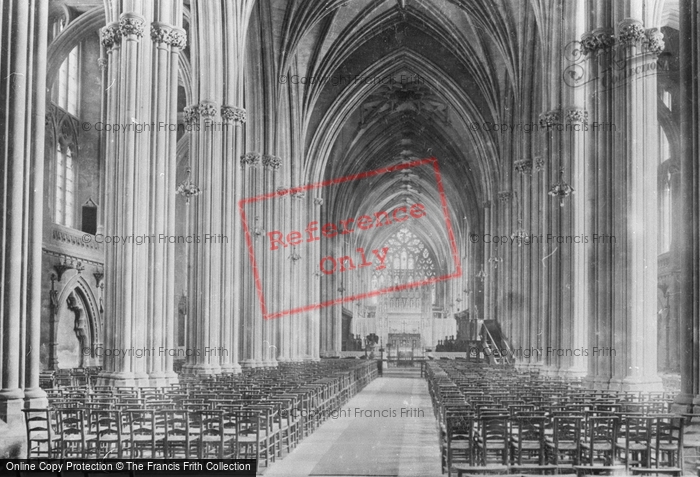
{"type": "Point", "coordinates": [251, 321]}
{"type": "Point", "coordinates": [234, 118]}
{"type": "Point", "coordinates": [635, 198]}
{"type": "Point", "coordinates": [139, 295]}
{"type": "Point", "coordinates": [689, 241]}
{"type": "Point", "coordinates": [21, 167]}
{"type": "Point", "coordinates": [33, 394]}
{"type": "Point", "coordinates": [272, 263]}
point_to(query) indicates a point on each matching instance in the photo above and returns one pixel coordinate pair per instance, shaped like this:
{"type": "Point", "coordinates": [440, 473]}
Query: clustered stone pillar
{"type": "Point", "coordinates": [140, 191]}
{"type": "Point", "coordinates": [23, 97]}
{"type": "Point", "coordinates": [623, 192]}
{"type": "Point", "coordinates": [689, 397]}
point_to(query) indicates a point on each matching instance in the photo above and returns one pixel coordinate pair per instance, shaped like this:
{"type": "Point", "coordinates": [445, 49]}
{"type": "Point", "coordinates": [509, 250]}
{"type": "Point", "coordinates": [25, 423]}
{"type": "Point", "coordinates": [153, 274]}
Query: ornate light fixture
{"type": "Point", "coordinates": [520, 234]}
{"type": "Point", "coordinates": [295, 257]}
{"type": "Point", "coordinates": [495, 261]}
{"type": "Point", "coordinates": [187, 188]}
{"type": "Point", "coordinates": [562, 189]}
{"type": "Point", "coordinates": [258, 231]}
{"type": "Point", "coordinates": [482, 274]}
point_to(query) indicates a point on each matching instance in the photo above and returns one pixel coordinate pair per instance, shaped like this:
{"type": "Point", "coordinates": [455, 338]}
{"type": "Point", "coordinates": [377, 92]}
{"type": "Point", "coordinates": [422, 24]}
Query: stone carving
{"type": "Point", "coordinates": [132, 26]}
{"type": "Point", "coordinates": [273, 162]}
{"type": "Point", "coordinates": [110, 36]}
{"type": "Point", "coordinates": [549, 119]}
{"type": "Point", "coordinates": [232, 113]}
{"type": "Point", "coordinates": [161, 34]}
{"type": "Point", "coordinates": [250, 159]}
{"type": "Point", "coordinates": [577, 116]}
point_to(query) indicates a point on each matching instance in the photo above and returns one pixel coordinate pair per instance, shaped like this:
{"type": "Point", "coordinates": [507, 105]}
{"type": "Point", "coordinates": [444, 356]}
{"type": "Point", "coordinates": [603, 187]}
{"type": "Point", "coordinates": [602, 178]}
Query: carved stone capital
{"type": "Point", "coordinates": [271, 162]}
{"type": "Point", "coordinates": [523, 166]}
{"type": "Point", "coordinates": [550, 119]}
{"type": "Point", "coordinates": [178, 38]}
{"type": "Point", "coordinates": [234, 114]}
{"type": "Point", "coordinates": [110, 36]}
{"type": "Point", "coordinates": [577, 116]}
{"type": "Point", "coordinates": [102, 63]}
{"type": "Point", "coordinates": [539, 163]}
{"type": "Point", "coordinates": [596, 41]}
{"type": "Point", "coordinates": [207, 110]}
{"type": "Point", "coordinates": [131, 24]}
{"type": "Point", "coordinates": [654, 42]}
{"type": "Point", "coordinates": [631, 32]}
{"type": "Point", "coordinates": [161, 34]}
{"type": "Point", "coordinates": [505, 196]}
{"type": "Point", "coordinates": [191, 113]}
{"type": "Point", "coordinates": [250, 159]}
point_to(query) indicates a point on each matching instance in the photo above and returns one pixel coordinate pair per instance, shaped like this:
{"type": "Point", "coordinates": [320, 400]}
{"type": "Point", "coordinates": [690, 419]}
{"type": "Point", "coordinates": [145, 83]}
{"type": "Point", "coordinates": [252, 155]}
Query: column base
{"type": "Point", "coordinates": [162, 380]}
{"type": "Point", "coordinates": [201, 368]}
{"type": "Point", "coordinates": [11, 404]}
{"type": "Point", "coordinates": [250, 363]}
{"type": "Point", "coordinates": [637, 383]}
{"type": "Point", "coordinates": [575, 373]}
{"type": "Point", "coordinates": [121, 380]}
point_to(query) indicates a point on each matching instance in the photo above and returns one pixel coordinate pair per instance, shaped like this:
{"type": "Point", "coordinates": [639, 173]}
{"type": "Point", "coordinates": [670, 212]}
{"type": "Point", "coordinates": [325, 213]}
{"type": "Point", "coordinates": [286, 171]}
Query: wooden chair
{"type": "Point", "coordinates": [565, 440]}
{"type": "Point", "coordinates": [73, 433]}
{"type": "Point", "coordinates": [492, 438]}
{"type": "Point", "coordinates": [213, 441]}
{"type": "Point", "coordinates": [42, 437]}
{"type": "Point", "coordinates": [109, 439]}
{"type": "Point", "coordinates": [527, 440]}
{"type": "Point", "coordinates": [600, 439]}
{"type": "Point", "coordinates": [177, 437]}
{"type": "Point", "coordinates": [144, 441]}
{"type": "Point", "coordinates": [457, 445]}
{"type": "Point", "coordinates": [635, 450]}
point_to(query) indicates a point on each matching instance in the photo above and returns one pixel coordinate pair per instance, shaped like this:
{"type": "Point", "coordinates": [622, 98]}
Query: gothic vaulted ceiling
{"type": "Point", "coordinates": [383, 82]}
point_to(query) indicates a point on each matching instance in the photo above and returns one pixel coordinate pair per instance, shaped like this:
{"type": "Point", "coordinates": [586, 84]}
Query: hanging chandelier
{"type": "Point", "coordinates": [562, 189]}
{"type": "Point", "coordinates": [481, 275]}
{"type": "Point", "coordinates": [495, 261]}
{"type": "Point", "coordinates": [187, 188]}
{"type": "Point", "coordinates": [520, 234]}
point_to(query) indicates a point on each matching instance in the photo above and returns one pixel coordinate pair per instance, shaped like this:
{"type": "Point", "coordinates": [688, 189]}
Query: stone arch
{"type": "Point", "coordinates": [77, 311]}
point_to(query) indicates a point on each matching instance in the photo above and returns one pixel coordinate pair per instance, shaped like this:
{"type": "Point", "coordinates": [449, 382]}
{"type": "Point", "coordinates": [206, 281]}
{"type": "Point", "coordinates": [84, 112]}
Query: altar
{"type": "Point", "coordinates": [404, 347]}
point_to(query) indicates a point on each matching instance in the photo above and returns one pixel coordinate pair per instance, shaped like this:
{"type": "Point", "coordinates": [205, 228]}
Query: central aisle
{"type": "Point", "coordinates": [388, 429]}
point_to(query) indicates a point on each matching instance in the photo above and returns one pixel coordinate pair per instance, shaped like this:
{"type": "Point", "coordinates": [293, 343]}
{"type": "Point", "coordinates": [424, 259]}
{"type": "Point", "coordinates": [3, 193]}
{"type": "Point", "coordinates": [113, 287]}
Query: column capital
{"type": "Point", "coordinates": [233, 113]}
{"type": "Point", "coordinates": [205, 109]}
{"type": "Point", "coordinates": [594, 41]}
{"type": "Point", "coordinates": [161, 33]}
{"type": "Point", "coordinates": [523, 166]}
{"type": "Point", "coordinates": [505, 196]}
{"type": "Point", "coordinates": [549, 119]}
{"type": "Point", "coordinates": [576, 115]}
{"type": "Point", "coordinates": [132, 24]}
{"type": "Point", "coordinates": [110, 35]}
{"type": "Point", "coordinates": [271, 162]}
{"type": "Point", "coordinates": [250, 159]}
{"type": "Point", "coordinates": [178, 38]}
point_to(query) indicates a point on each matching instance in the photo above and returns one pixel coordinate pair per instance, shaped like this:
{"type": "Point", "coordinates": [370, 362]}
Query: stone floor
{"type": "Point", "coordinates": [388, 429]}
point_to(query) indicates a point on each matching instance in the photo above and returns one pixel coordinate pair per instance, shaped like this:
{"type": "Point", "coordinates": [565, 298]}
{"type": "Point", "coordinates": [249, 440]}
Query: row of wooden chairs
{"type": "Point", "coordinates": [498, 416]}
{"type": "Point", "coordinates": [253, 415]}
